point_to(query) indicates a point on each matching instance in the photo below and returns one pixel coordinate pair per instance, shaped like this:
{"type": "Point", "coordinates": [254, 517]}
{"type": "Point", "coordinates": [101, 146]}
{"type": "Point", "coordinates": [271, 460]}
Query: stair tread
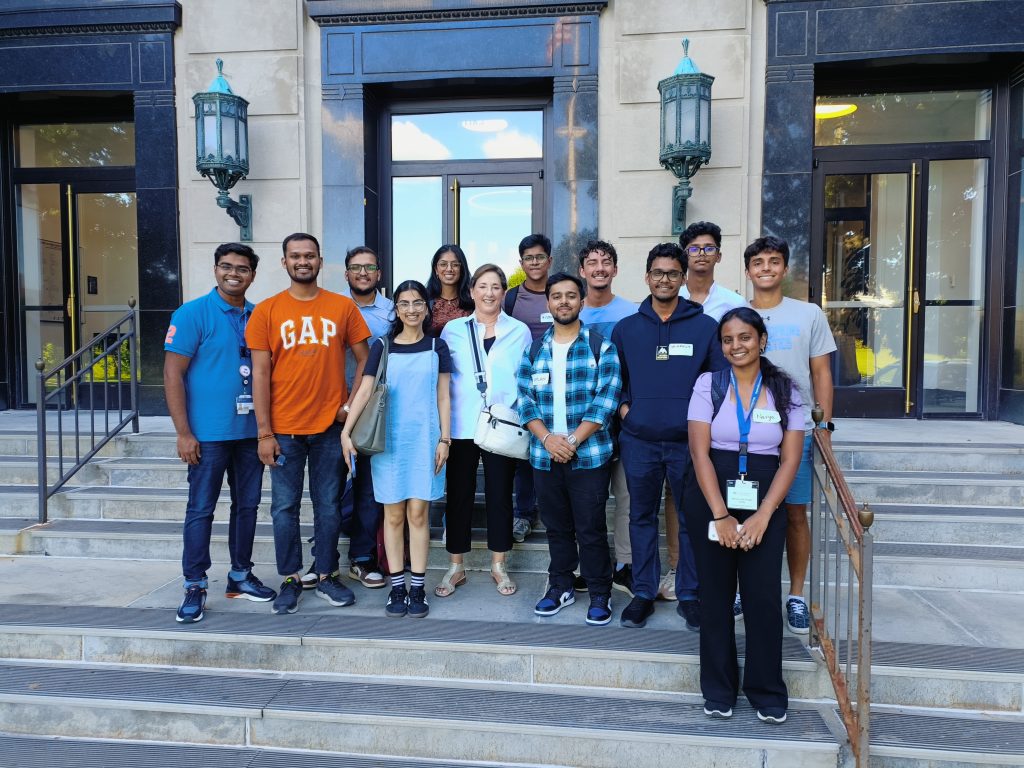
{"type": "Point", "coordinates": [363, 699]}
{"type": "Point", "coordinates": [928, 477]}
{"type": "Point", "coordinates": [970, 734]}
{"type": "Point", "coordinates": [941, 510]}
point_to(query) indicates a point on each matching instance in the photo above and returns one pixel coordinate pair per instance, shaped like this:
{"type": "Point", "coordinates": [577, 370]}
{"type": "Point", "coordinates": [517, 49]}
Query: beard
{"type": "Point", "coordinates": [567, 320]}
{"type": "Point", "coordinates": [362, 291]}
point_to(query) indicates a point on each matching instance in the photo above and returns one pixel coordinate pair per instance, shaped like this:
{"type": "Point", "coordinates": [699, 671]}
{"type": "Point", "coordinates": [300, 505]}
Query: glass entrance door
{"type": "Point", "coordinates": [902, 249]}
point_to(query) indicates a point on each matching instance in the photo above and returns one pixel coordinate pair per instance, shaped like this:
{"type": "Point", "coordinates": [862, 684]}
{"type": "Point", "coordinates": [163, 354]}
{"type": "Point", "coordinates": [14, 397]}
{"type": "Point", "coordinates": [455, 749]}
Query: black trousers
{"type": "Point", "coordinates": [759, 572]}
{"type": "Point", "coordinates": [572, 506]}
{"type": "Point", "coordinates": [460, 478]}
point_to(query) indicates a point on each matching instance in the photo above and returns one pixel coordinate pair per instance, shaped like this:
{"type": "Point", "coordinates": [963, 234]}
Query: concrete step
{"type": "Point", "coordinates": [915, 457]}
{"type": "Point", "coordinates": [992, 489]}
{"type": "Point", "coordinates": [377, 716]}
{"type": "Point", "coordinates": [935, 524]}
{"type": "Point", "coordinates": [915, 739]}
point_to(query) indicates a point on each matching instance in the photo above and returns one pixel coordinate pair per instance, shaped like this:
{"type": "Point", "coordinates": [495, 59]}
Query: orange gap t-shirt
{"type": "Point", "coordinates": [306, 341]}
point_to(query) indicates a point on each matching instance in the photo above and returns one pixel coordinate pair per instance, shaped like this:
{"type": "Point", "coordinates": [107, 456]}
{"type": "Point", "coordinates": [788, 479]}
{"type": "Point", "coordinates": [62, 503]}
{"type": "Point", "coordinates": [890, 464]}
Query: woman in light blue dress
{"type": "Point", "coordinates": [409, 473]}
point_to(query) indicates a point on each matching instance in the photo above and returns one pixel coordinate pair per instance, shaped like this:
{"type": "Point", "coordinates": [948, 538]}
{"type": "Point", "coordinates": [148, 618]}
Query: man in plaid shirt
{"type": "Point", "coordinates": [569, 388]}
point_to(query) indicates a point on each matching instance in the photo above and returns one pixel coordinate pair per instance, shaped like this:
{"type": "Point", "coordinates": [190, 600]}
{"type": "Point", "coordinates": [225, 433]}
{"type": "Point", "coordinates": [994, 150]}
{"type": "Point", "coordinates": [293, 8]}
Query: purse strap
{"type": "Point", "coordinates": [382, 369]}
{"type": "Point", "coordinates": [481, 377]}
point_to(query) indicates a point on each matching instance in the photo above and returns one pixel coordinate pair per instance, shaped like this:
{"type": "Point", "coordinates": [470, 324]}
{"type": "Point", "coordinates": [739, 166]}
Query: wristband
{"type": "Point", "coordinates": [265, 437]}
{"type": "Point", "coordinates": [446, 440]}
{"type": "Point", "coordinates": [723, 517]}
{"type": "Point", "coordinates": [545, 439]}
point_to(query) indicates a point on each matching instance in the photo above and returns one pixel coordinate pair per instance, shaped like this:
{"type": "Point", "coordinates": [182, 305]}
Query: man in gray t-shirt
{"type": "Point", "coordinates": [799, 342]}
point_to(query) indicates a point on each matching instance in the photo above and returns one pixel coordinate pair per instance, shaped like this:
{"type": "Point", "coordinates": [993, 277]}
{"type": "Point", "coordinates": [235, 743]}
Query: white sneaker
{"type": "Point", "coordinates": [667, 587]}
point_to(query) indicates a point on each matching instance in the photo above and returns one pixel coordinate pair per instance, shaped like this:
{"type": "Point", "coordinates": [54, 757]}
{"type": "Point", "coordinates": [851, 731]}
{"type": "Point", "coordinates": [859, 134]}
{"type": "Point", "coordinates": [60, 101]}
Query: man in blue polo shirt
{"type": "Point", "coordinates": [208, 385]}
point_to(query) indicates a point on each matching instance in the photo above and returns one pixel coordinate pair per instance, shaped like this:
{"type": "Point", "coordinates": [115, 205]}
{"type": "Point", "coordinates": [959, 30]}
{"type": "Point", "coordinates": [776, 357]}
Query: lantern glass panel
{"type": "Point", "coordinates": [210, 148]}
{"type": "Point", "coordinates": [243, 142]}
{"type": "Point", "coordinates": [227, 137]}
{"type": "Point", "coordinates": [705, 121]}
{"type": "Point", "coordinates": [668, 111]}
{"type": "Point", "coordinates": [688, 121]}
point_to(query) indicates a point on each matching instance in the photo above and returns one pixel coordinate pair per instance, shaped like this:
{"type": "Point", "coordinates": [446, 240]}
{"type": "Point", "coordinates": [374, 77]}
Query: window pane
{"type": "Point", "coordinates": [417, 213]}
{"type": "Point", "coordinates": [467, 136]}
{"type": "Point", "coordinates": [902, 118]}
{"type": "Point", "coordinates": [73, 145]}
{"type": "Point", "coordinates": [492, 221]}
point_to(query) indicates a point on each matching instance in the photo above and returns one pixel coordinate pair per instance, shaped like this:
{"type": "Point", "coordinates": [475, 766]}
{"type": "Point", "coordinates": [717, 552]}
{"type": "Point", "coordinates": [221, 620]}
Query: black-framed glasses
{"type": "Point", "coordinates": [535, 259]}
{"type": "Point", "coordinates": [229, 268]}
{"type": "Point", "coordinates": [367, 268]}
{"type": "Point", "coordinates": [707, 250]}
{"type": "Point", "coordinates": [660, 274]}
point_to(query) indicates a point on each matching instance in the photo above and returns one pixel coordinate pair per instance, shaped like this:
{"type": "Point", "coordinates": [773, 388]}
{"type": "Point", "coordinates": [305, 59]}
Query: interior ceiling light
{"type": "Point", "coordinates": [828, 111]}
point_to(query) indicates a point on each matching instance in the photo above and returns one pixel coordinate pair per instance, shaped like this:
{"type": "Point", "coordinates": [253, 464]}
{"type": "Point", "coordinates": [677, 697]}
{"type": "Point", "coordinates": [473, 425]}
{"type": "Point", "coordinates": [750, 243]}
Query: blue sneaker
{"type": "Point", "coordinates": [600, 611]}
{"type": "Point", "coordinates": [418, 606]}
{"type": "Point", "coordinates": [555, 600]}
{"type": "Point", "coordinates": [250, 588]}
{"type": "Point", "coordinates": [798, 618]}
{"type": "Point", "coordinates": [191, 609]}
{"type": "Point", "coordinates": [334, 592]}
{"type": "Point", "coordinates": [717, 711]}
{"type": "Point", "coordinates": [288, 596]}
{"type": "Point", "coordinates": [737, 608]}
{"type": "Point", "coordinates": [398, 603]}
{"type": "Point", "coordinates": [773, 715]}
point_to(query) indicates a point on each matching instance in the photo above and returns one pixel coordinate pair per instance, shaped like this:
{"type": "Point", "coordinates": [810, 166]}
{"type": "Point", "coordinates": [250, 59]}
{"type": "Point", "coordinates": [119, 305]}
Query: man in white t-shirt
{"type": "Point", "coordinates": [602, 310]}
{"type": "Point", "coordinates": [800, 342]}
{"type": "Point", "coordinates": [702, 244]}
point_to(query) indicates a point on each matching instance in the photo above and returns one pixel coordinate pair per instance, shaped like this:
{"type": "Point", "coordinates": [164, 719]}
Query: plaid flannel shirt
{"type": "Point", "coordinates": [592, 392]}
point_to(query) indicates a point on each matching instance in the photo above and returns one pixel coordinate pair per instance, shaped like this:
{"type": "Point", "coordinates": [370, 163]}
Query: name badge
{"type": "Point", "coordinates": [741, 494]}
{"type": "Point", "coordinates": [244, 405]}
{"type": "Point", "coordinates": [547, 317]}
{"type": "Point", "coordinates": [764, 416]}
{"type": "Point", "coordinates": [661, 353]}
{"type": "Point", "coordinates": [541, 379]}
{"type": "Point", "coordinates": [685, 350]}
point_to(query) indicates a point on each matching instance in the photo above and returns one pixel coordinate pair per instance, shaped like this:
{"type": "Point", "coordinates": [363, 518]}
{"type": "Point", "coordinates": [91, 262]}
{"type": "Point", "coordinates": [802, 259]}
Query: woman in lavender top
{"type": "Point", "coordinates": [735, 500]}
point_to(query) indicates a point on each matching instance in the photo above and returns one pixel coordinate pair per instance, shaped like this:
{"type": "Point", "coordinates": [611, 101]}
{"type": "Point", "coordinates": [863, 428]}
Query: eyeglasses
{"type": "Point", "coordinates": [657, 275]}
{"type": "Point", "coordinates": [538, 259]}
{"type": "Point", "coordinates": [445, 265]}
{"type": "Point", "coordinates": [367, 268]}
{"type": "Point", "coordinates": [707, 250]}
{"type": "Point", "coordinates": [229, 268]}
{"type": "Point", "coordinates": [405, 306]}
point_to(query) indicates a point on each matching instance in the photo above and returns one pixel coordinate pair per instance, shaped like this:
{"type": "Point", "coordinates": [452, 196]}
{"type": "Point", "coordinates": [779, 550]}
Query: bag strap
{"type": "Point", "coordinates": [481, 377]}
{"type": "Point", "coordinates": [382, 369]}
{"type": "Point", "coordinates": [510, 300]}
{"type": "Point", "coordinates": [719, 387]}
{"type": "Point", "coordinates": [594, 337]}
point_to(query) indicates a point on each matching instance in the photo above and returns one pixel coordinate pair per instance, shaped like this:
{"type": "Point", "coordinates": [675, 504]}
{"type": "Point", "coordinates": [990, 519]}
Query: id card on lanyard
{"type": "Point", "coordinates": [742, 493]}
{"type": "Point", "coordinates": [243, 403]}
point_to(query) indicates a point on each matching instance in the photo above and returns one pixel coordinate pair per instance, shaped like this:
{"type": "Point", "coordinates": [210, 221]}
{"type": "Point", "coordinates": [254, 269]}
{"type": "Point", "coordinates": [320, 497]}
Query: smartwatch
{"type": "Point", "coordinates": [827, 425]}
{"type": "Point", "coordinates": [571, 440]}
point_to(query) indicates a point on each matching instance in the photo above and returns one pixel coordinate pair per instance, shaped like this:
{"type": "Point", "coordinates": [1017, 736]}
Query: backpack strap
{"type": "Point", "coordinates": [719, 388]}
{"type": "Point", "coordinates": [535, 349]}
{"type": "Point", "coordinates": [510, 300]}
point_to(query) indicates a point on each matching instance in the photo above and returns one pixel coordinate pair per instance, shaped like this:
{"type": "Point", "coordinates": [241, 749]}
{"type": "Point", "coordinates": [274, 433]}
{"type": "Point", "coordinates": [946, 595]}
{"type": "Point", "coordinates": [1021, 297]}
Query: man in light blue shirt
{"type": "Point", "coordinates": [208, 385]}
{"type": "Point", "coordinates": [602, 309]}
{"type": "Point", "coordinates": [363, 518]}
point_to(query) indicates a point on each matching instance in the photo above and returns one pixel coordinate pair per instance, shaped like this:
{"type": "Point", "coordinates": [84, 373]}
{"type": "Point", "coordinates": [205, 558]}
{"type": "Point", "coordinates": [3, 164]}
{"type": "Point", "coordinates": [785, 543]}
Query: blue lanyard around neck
{"type": "Point", "coordinates": [745, 418]}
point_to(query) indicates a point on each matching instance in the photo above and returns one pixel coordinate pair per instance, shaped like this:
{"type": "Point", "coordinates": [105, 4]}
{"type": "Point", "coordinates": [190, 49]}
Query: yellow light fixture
{"type": "Point", "coordinates": [828, 111]}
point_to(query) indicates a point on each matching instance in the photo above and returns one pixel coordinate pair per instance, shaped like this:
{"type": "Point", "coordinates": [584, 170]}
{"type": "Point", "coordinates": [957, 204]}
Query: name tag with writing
{"type": "Point", "coordinates": [741, 494]}
{"type": "Point", "coordinates": [765, 416]}
{"type": "Point", "coordinates": [541, 379]}
{"type": "Point", "coordinates": [686, 350]}
{"type": "Point", "coordinates": [547, 317]}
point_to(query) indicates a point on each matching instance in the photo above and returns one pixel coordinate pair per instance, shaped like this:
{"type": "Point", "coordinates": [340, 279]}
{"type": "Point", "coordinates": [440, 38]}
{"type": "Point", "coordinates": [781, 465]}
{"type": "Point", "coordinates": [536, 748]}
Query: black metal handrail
{"type": "Point", "coordinates": [70, 389]}
{"type": "Point", "coordinates": [840, 533]}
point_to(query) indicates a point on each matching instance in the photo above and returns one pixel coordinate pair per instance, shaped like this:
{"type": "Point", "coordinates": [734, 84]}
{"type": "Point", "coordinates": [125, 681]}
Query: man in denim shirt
{"type": "Point", "coordinates": [208, 385]}
{"type": "Point", "coordinates": [569, 387]}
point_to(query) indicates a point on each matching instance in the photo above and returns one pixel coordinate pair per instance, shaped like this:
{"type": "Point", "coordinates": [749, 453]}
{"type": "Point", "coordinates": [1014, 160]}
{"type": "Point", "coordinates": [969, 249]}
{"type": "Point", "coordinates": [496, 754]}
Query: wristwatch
{"type": "Point", "coordinates": [346, 409]}
{"type": "Point", "coordinates": [828, 425]}
{"type": "Point", "coordinates": [571, 440]}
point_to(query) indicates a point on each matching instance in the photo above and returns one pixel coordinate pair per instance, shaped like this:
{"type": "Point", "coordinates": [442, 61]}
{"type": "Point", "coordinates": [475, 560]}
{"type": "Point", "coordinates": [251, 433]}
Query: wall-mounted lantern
{"type": "Point", "coordinates": [685, 129]}
{"type": "Point", "coordinates": [222, 146]}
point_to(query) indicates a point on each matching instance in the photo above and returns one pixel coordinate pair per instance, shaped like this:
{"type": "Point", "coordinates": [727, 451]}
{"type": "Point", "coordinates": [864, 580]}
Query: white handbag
{"type": "Point", "coordinates": [498, 429]}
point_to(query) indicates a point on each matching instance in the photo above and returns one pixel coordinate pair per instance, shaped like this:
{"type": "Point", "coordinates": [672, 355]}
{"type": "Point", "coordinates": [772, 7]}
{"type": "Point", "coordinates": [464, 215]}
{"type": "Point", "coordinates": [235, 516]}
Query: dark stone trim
{"type": "Point", "coordinates": [90, 29]}
{"type": "Point", "coordinates": [789, 73]}
{"type": "Point", "coordinates": [575, 84]}
{"type": "Point", "coordinates": [463, 14]}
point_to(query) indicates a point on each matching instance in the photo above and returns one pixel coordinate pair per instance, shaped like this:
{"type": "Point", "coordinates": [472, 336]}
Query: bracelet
{"type": "Point", "coordinates": [446, 440]}
{"type": "Point", "coordinates": [265, 437]}
{"type": "Point", "coordinates": [723, 517]}
{"type": "Point", "coordinates": [545, 438]}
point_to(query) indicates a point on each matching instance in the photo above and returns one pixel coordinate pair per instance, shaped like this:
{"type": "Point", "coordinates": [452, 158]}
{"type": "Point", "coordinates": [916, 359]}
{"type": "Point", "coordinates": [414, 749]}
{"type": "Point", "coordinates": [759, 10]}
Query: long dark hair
{"type": "Point", "coordinates": [397, 325]}
{"type": "Point", "coordinates": [434, 283]}
{"type": "Point", "coordinates": [775, 379]}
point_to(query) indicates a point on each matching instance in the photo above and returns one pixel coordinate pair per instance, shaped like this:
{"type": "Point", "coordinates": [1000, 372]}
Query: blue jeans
{"type": "Point", "coordinates": [364, 515]}
{"type": "Point", "coordinates": [647, 463]}
{"type": "Point", "coordinates": [327, 473]}
{"type": "Point", "coordinates": [238, 458]}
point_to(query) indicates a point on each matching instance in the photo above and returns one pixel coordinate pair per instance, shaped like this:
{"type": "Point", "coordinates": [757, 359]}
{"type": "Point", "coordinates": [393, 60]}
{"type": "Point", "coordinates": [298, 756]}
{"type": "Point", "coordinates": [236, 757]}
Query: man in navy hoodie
{"type": "Point", "coordinates": [662, 350]}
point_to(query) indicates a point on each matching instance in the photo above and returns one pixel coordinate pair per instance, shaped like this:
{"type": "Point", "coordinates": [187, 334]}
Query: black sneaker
{"type": "Point", "coordinates": [600, 611]}
{"type": "Point", "coordinates": [334, 592]}
{"type": "Point", "coordinates": [579, 584]}
{"type": "Point", "coordinates": [690, 611]}
{"type": "Point", "coordinates": [622, 579]}
{"type": "Point", "coordinates": [773, 715]}
{"type": "Point", "coordinates": [717, 710]}
{"type": "Point", "coordinates": [398, 603]}
{"type": "Point", "coordinates": [288, 596]}
{"type": "Point", "coordinates": [418, 607]}
{"type": "Point", "coordinates": [637, 612]}
{"type": "Point", "coordinates": [191, 609]}
{"type": "Point", "coordinates": [554, 600]}
{"type": "Point", "coordinates": [250, 588]}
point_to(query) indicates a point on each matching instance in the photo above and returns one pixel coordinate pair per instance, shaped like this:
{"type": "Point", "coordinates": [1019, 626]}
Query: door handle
{"type": "Point", "coordinates": [917, 301]}
{"type": "Point", "coordinates": [70, 306]}
{"type": "Point", "coordinates": [455, 188]}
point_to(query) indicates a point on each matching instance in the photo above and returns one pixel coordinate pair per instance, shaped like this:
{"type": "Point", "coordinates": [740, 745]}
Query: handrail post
{"type": "Point", "coordinates": [864, 629]}
{"type": "Point", "coordinates": [43, 480]}
{"type": "Point", "coordinates": [133, 364]}
{"type": "Point", "coordinates": [814, 591]}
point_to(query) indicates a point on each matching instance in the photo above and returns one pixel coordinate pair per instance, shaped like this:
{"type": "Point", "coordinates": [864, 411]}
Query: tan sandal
{"type": "Point", "coordinates": [454, 577]}
{"type": "Point", "coordinates": [506, 586]}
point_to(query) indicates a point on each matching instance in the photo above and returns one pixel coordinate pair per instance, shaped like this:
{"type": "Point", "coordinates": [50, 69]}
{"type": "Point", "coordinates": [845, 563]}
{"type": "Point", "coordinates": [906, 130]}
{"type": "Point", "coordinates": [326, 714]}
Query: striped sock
{"type": "Point", "coordinates": [417, 579]}
{"type": "Point", "coordinates": [398, 579]}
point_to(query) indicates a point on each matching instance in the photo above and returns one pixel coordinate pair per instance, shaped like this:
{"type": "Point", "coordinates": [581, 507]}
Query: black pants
{"type": "Point", "coordinates": [572, 506]}
{"type": "Point", "coordinates": [759, 571]}
{"type": "Point", "coordinates": [499, 472]}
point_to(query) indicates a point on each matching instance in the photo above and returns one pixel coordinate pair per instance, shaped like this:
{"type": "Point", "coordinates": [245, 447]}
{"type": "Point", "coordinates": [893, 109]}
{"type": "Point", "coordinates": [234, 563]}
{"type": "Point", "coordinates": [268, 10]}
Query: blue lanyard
{"type": "Point", "coordinates": [238, 326]}
{"type": "Point", "coordinates": [745, 419]}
